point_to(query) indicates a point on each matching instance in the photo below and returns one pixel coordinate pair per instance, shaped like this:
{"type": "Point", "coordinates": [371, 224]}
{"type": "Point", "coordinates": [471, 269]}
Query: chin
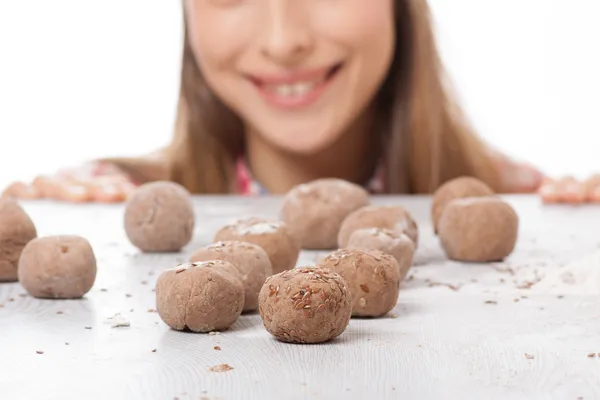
{"type": "Point", "coordinates": [298, 142]}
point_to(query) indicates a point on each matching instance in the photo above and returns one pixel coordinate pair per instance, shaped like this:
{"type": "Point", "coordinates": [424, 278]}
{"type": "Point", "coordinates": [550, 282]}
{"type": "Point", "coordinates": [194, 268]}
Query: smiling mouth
{"type": "Point", "coordinates": [298, 89]}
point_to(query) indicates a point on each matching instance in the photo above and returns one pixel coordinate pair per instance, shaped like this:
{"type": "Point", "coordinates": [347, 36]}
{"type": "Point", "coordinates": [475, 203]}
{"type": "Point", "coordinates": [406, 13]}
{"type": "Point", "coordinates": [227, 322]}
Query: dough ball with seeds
{"type": "Point", "coordinates": [159, 217]}
{"type": "Point", "coordinates": [478, 229]}
{"type": "Point", "coordinates": [16, 230]}
{"type": "Point", "coordinates": [305, 305]}
{"type": "Point", "coordinates": [314, 211]}
{"type": "Point", "coordinates": [200, 297]}
{"type": "Point", "coordinates": [373, 278]}
{"type": "Point", "coordinates": [457, 188]}
{"type": "Point", "coordinates": [398, 245]}
{"type": "Point", "coordinates": [272, 235]}
{"type": "Point", "coordinates": [394, 218]}
{"type": "Point", "coordinates": [58, 267]}
{"type": "Point", "coordinates": [249, 260]}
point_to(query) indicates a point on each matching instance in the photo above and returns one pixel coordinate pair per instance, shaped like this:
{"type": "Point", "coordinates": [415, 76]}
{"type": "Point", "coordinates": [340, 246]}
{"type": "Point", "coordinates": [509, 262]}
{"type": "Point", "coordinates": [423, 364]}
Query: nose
{"type": "Point", "coordinates": [287, 38]}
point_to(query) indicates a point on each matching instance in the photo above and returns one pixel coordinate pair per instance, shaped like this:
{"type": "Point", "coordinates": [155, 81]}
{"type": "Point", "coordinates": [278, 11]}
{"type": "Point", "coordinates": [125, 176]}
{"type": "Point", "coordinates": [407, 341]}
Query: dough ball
{"type": "Point", "coordinates": [249, 260]}
{"type": "Point", "coordinates": [273, 236]}
{"type": "Point", "coordinates": [394, 218]}
{"type": "Point", "coordinates": [478, 229]}
{"type": "Point", "coordinates": [202, 297]}
{"type": "Point", "coordinates": [314, 211]}
{"type": "Point", "coordinates": [456, 189]}
{"type": "Point", "coordinates": [16, 230]}
{"type": "Point", "coordinates": [159, 217]}
{"type": "Point", "coordinates": [305, 305]}
{"type": "Point", "coordinates": [373, 278]}
{"type": "Point", "coordinates": [398, 245]}
{"type": "Point", "coordinates": [58, 267]}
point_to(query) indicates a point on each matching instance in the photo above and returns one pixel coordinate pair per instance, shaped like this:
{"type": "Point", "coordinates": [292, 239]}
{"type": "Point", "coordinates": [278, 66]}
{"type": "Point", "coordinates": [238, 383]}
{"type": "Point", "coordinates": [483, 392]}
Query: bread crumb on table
{"type": "Point", "coordinates": [220, 368]}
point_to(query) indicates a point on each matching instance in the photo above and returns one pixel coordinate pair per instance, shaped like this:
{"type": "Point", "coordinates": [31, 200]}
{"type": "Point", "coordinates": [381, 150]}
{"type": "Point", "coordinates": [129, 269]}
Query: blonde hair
{"type": "Point", "coordinates": [426, 137]}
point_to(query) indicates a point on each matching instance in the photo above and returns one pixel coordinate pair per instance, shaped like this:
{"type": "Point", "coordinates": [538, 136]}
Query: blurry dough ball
{"type": "Point", "coordinates": [249, 260]}
{"type": "Point", "coordinates": [305, 305]}
{"type": "Point", "coordinates": [457, 188]}
{"type": "Point", "coordinates": [393, 218]}
{"type": "Point", "coordinates": [58, 267]}
{"type": "Point", "coordinates": [314, 211]}
{"type": "Point", "coordinates": [373, 278]}
{"type": "Point", "coordinates": [16, 230]}
{"type": "Point", "coordinates": [398, 245]}
{"type": "Point", "coordinates": [159, 217]}
{"type": "Point", "coordinates": [273, 236]}
{"type": "Point", "coordinates": [202, 297]}
{"type": "Point", "coordinates": [478, 229]}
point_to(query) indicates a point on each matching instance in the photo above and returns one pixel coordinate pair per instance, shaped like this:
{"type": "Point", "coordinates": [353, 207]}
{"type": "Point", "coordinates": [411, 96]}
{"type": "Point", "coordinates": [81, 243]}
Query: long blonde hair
{"type": "Point", "coordinates": [426, 137]}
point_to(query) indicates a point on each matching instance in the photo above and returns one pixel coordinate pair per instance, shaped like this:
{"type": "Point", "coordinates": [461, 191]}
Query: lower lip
{"type": "Point", "coordinates": [296, 102]}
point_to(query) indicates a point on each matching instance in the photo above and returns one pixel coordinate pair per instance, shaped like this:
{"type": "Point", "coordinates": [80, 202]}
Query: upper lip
{"type": "Point", "coordinates": [293, 76]}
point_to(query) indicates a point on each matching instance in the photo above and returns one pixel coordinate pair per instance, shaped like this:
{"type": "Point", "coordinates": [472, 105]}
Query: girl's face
{"type": "Point", "coordinates": [298, 72]}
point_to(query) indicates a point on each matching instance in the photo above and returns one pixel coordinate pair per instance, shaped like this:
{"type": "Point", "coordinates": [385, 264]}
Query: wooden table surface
{"type": "Point", "coordinates": [458, 331]}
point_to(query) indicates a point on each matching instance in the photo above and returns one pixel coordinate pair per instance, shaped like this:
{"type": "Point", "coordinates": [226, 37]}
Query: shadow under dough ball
{"type": "Point", "coordinates": [373, 278]}
{"type": "Point", "coordinates": [202, 297]}
{"type": "Point", "coordinates": [249, 260]}
{"type": "Point", "coordinates": [315, 211]}
{"type": "Point", "coordinates": [16, 230]}
{"type": "Point", "coordinates": [394, 218]}
{"type": "Point", "coordinates": [305, 305]}
{"type": "Point", "coordinates": [273, 236]}
{"type": "Point", "coordinates": [457, 188]}
{"type": "Point", "coordinates": [159, 217]}
{"type": "Point", "coordinates": [397, 245]}
{"type": "Point", "coordinates": [58, 267]}
{"type": "Point", "coordinates": [479, 229]}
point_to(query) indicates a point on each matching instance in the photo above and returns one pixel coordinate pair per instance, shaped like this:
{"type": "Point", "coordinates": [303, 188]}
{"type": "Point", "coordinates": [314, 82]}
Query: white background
{"type": "Point", "coordinates": [83, 79]}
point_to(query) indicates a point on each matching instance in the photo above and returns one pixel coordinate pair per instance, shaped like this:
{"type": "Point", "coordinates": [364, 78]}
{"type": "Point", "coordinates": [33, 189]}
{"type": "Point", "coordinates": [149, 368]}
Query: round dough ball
{"type": "Point", "coordinates": [305, 305]}
{"type": "Point", "coordinates": [373, 278]}
{"type": "Point", "coordinates": [249, 260]}
{"type": "Point", "coordinates": [478, 229]}
{"type": "Point", "coordinates": [315, 211]}
{"type": "Point", "coordinates": [394, 218]}
{"type": "Point", "coordinates": [159, 217]}
{"type": "Point", "coordinates": [16, 230]}
{"type": "Point", "coordinates": [398, 245]}
{"type": "Point", "coordinates": [273, 236]}
{"type": "Point", "coordinates": [58, 267]}
{"type": "Point", "coordinates": [457, 188]}
{"type": "Point", "coordinates": [202, 297]}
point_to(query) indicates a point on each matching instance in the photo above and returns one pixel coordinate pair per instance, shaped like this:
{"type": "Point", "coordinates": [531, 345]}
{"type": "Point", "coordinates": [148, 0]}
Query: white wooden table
{"type": "Point", "coordinates": [458, 331]}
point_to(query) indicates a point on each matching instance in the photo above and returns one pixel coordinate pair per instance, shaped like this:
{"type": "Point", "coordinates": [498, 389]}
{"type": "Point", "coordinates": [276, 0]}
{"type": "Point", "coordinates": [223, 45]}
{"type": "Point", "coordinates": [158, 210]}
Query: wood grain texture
{"type": "Point", "coordinates": [458, 331]}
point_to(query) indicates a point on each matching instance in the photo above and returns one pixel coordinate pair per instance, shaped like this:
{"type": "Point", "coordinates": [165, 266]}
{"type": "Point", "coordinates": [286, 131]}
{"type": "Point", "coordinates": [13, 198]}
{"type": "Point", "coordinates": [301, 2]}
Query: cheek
{"type": "Point", "coordinates": [361, 26]}
{"type": "Point", "coordinates": [216, 37]}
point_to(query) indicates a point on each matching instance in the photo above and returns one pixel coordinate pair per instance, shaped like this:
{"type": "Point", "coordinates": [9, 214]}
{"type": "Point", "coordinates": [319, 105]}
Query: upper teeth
{"type": "Point", "coordinates": [294, 89]}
